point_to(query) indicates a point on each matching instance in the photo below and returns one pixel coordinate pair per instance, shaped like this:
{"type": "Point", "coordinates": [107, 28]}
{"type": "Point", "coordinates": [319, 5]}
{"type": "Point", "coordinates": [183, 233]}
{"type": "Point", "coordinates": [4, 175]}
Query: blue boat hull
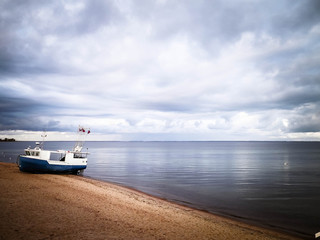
{"type": "Point", "coordinates": [35, 165]}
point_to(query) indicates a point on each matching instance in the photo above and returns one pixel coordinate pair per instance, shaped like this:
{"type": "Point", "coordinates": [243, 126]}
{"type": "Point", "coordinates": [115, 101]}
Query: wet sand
{"type": "Point", "coordinates": [47, 206]}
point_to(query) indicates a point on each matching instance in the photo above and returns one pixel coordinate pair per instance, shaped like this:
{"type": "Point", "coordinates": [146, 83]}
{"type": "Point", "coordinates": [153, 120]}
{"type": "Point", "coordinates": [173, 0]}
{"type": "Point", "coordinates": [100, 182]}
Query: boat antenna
{"type": "Point", "coordinates": [43, 135]}
{"type": "Point", "coordinates": [82, 133]}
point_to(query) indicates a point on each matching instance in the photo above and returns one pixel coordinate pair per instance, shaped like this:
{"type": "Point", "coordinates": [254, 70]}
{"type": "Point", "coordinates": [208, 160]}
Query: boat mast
{"type": "Point", "coordinates": [82, 133]}
{"type": "Point", "coordinates": [43, 135]}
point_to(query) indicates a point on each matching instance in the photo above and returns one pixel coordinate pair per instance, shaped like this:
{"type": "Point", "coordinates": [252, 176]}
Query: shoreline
{"type": "Point", "coordinates": [235, 218]}
{"type": "Point", "coordinates": [68, 206]}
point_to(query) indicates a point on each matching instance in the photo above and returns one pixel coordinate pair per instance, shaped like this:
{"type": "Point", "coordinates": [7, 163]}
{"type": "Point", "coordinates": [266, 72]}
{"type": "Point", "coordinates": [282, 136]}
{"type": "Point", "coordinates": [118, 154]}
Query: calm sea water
{"type": "Point", "coordinates": [275, 184]}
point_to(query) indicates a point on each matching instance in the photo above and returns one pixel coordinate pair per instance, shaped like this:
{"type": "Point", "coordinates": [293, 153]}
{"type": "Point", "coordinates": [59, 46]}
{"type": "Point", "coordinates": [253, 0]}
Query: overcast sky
{"type": "Point", "coordinates": [160, 70]}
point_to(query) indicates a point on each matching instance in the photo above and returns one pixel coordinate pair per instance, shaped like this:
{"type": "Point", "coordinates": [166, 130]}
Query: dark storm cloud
{"type": "Point", "coordinates": [298, 77]}
{"type": "Point", "coordinates": [305, 124]}
{"type": "Point", "coordinates": [16, 49]}
{"type": "Point", "coordinates": [307, 119]}
{"type": "Point", "coordinates": [20, 113]}
{"type": "Point", "coordinates": [219, 22]}
{"type": "Point", "coordinates": [24, 25]}
{"type": "Point", "coordinates": [213, 23]}
{"type": "Point", "coordinates": [296, 17]}
{"type": "Point", "coordinates": [63, 17]}
{"type": "Point", "coordinates": [96, 14]}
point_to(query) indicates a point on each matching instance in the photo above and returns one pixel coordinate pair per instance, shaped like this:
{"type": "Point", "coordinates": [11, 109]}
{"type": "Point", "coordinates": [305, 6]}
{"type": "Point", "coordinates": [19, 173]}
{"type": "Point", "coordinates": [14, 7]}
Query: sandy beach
{"type": "Point", "coordinates": [46, 206]}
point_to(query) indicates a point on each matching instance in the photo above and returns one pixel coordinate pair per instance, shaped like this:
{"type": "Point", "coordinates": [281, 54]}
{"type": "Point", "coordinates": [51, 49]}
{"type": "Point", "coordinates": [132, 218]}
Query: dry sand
{"type": "Point", "coordinates": [46, 206]}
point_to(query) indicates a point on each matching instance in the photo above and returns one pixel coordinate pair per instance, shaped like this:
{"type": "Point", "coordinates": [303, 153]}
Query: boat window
{"type": "Point", "coordinates": [28, 153]}
{"type": "Point", "coordinates": [56, 156]}
{"type": "Point", "coordinates": [78, 155]}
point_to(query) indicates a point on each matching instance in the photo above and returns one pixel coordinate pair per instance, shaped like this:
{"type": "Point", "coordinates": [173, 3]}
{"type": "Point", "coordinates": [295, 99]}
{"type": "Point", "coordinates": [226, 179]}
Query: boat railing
{"type": "Point", "coordinates": [58, 155]}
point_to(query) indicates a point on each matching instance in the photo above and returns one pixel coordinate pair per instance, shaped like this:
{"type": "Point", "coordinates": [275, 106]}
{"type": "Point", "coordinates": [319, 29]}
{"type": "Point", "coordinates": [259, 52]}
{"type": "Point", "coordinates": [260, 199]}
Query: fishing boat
{"type": "Point", "coordinates": [38, 160]}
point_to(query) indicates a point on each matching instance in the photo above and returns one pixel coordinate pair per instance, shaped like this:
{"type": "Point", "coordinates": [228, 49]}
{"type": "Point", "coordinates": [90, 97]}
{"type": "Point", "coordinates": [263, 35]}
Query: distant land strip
{"type": "Point", "coordinates": [7, 140]}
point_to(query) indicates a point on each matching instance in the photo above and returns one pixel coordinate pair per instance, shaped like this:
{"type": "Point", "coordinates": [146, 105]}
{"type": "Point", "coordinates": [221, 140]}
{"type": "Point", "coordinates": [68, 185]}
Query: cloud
{"type": "Point", "coordinates": [177, 70]}
{"type": "Point", "coordinates": [305, 120]}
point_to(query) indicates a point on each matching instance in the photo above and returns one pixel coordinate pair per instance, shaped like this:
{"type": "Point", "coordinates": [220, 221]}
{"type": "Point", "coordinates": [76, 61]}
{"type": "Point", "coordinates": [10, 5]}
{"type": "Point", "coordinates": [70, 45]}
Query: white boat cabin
{"type": "Point", "coordinates": [72, 157]}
